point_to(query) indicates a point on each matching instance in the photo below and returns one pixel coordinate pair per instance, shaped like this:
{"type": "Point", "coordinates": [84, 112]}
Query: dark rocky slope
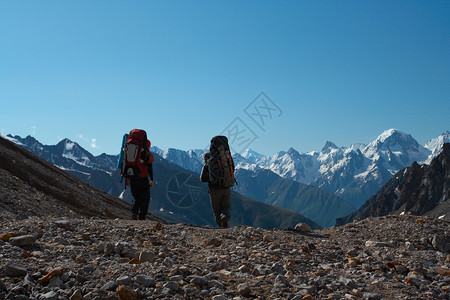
{"type": "Point", "coordinates": [32, 186]}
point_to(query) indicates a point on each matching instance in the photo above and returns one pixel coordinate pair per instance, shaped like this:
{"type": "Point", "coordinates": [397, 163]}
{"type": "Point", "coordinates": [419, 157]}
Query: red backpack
{"type": "Point", "coordinates": [136, 154]}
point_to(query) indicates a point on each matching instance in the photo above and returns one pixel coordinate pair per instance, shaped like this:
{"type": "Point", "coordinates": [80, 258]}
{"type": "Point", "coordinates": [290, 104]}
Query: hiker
{"type": "Point", "coordinates": [136, 163]}
{"type": "Point", "coordinates": [218, 172]}
{"type": "Point", "coordinates": [140, 189]}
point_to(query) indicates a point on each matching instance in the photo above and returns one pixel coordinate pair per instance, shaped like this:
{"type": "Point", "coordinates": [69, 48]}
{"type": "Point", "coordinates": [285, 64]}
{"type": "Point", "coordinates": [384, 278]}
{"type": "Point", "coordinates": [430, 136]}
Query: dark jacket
{"type": "Point", "coordinates": [204, 177]}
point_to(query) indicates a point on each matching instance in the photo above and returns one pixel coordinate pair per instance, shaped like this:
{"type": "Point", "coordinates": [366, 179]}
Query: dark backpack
{"type": "Point", "coordinates": [220, 164]}
{"type": "Point", "coordinates": [135, 154]}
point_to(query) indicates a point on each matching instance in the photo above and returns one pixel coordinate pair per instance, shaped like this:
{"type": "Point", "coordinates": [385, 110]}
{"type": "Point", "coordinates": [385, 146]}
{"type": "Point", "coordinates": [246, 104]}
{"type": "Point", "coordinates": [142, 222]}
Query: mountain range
{"type": "Point", "coordinates": [322, 186]}
{"type": "Point", "coordinates": [179, 195]}
{"type": "Point", "coordinates": [354, 173]}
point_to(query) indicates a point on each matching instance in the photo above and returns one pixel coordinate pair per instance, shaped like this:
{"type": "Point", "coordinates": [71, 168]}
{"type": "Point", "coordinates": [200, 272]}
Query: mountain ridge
{"type": "Point", "coordinates": [354, 173]}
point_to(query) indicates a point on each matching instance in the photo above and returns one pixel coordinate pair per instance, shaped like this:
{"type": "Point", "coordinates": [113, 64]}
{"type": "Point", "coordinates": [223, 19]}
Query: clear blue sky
{"type": "Point", "coordinates": [343, 71]}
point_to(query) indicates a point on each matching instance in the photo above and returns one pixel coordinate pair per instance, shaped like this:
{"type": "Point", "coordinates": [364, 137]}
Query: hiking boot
{"type": "Point", "coordinates": [224, 220]}
{"type": "Point", "coordinates": [134, 217]}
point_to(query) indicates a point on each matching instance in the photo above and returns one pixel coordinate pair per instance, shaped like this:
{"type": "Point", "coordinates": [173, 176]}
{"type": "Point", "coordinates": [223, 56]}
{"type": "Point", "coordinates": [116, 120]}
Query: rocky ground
{"type": "Point", "coordinates": [404, 257]}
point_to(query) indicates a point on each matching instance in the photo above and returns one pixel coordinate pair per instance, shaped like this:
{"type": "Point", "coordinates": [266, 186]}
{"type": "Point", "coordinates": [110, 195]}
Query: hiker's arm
{"type": "Point", "coordinates": [204, 177]}
{"type": "Point", "coordinates": [150, 171]}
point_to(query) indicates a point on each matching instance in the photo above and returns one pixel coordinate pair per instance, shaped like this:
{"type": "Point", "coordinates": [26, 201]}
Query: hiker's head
{"type": "Point", "coordinates": [207, 156]}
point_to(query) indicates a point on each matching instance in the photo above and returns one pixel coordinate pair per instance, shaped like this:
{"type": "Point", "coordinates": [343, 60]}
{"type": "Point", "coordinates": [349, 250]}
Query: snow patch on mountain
{"type": "Point", "coordinates": [73, 151]}
{"type": "Point", "coordinates": [69, 145]}
{"type": "Point", "coordinates": [12, 139]}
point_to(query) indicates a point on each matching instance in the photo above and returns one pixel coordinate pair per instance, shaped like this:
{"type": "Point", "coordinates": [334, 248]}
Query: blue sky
{"type": "Point", "coordinates": [185, 71]}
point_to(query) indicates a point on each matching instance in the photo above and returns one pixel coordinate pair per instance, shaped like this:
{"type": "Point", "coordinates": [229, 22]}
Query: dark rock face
{"type": "Point", "coordinates": [418, 190]}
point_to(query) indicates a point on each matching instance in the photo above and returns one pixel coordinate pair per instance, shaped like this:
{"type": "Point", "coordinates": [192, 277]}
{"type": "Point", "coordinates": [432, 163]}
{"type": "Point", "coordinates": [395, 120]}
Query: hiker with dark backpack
{"type": "Point", "coordinates": [218, 172]}
{"type": "Point", "coordinates": [135, 163]}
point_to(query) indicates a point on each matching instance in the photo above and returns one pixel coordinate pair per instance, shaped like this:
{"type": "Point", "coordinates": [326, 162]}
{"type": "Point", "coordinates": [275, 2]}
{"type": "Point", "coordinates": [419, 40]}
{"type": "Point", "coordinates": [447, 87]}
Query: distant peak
{"type": "Point", "coordinates": [391, 133]}
{"type": "Point", "coordinates": [328, 146]}
{"type": "Point", "coordinates": [393, 137]}
{"type": "Point", "coordinates": [292, 150]}
{"type": "Point", "coordinates": [251, 153]}
{"type": "Point", "coordinates": [64, 141]}
{"type": "Point", "coordinates": [30, 138]}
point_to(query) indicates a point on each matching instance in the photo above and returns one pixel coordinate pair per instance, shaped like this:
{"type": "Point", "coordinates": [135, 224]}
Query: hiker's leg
{"type": "Point", "coordinates": [140, 188]}
{"type": "Point", "coordinates": [226, 203]}
{"type": "Point", "coordinates": [225, 206]}
{"type": "Point", "coordinates": [144, 197]}
{"type": "Point", "coordinates": [214, 195]}
{"type": "Point", "coordinates": [144, 204]}
{"type": "Point", "coordinates": [135, 203]}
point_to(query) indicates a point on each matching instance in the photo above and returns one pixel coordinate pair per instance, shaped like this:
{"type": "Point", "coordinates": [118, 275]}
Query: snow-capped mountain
{"type": "Point", "coordinates": [362, 171]}
{"type": "Point", "coordinates": [70, 156]}
{"type": "Point", "coordinates": [395, 150]}
{"type": "Point", "coordinates": [252, 156]}
{"type": "Point", "coordinates": [66, 154]}
{"type": "Point", "coordinates": [357, 172]}
{"type": "Point", "coordinates": [420, 190]}
{"type": "Point", "coordinates": [191, 160]}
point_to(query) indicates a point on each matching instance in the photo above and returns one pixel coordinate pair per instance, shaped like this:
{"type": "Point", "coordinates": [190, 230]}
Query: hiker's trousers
{"type": "Point", "coordinates": [140, 189]}
{"type": "Point", "coordinates": [221, 203]}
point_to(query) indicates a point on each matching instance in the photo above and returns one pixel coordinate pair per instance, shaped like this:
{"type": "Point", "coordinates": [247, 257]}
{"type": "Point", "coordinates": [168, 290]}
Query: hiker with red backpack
{"type": "Point", "coordinates": [135, 162]}
{"type": "Point", "coordinates": [218, 172]}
